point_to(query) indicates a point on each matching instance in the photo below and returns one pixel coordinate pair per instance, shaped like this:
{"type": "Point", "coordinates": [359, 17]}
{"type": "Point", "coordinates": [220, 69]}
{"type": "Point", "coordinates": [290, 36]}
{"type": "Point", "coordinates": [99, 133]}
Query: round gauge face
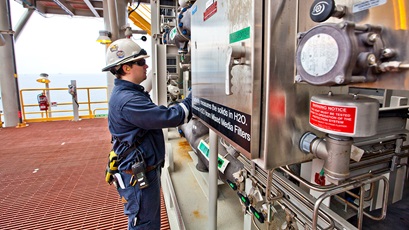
{"type": "Point", "coordinates": [319, 54]}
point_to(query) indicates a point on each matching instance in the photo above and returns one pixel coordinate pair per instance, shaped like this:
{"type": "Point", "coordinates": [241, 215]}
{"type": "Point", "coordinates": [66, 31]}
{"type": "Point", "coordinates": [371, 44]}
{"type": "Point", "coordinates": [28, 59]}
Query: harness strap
{"type": "Point", "coordinates": [127, 152]}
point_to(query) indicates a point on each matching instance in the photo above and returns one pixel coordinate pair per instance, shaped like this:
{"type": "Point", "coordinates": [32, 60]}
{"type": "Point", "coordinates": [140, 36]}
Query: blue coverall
{"type": "Point", "coordinates": [133, 116]}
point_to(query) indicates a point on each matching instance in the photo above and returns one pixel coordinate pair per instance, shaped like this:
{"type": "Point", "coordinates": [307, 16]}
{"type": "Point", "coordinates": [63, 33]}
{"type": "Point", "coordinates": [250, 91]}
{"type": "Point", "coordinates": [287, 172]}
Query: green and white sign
{"type": "Point", "coordinates": [221, 161]}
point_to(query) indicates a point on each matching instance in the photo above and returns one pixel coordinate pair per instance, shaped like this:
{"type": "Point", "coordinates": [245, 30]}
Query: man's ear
{"type": "Point", "coordinates": [125, 68]}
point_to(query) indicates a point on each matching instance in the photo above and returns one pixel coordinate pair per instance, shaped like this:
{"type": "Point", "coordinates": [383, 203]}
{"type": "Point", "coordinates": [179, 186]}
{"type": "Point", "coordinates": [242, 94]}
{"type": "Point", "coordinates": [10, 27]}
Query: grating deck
{"type": "Point", "coordinates": [52, 177]}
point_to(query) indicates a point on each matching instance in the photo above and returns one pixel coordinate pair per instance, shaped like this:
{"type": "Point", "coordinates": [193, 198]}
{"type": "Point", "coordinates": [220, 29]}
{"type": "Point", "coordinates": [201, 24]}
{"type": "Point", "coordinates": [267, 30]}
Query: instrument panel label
{"type": "Point", "coordinates": [364, 5]}
{"type": "Point", "coordinates": [333, 119]}
{"type": "Point", "coordinates": [240, 35]}
{"type": "Point", "coordinates": [233, 124]}
{"type": "Point", "coordinates": [211, 9]}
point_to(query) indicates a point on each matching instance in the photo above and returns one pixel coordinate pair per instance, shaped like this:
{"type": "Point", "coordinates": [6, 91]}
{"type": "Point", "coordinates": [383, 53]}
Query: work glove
{"type": "Point", "coordinates": [188, 103]}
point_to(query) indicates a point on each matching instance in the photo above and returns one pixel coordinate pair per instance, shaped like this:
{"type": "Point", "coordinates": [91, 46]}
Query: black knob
{"type": "Point", "coordinates": [321, 10]}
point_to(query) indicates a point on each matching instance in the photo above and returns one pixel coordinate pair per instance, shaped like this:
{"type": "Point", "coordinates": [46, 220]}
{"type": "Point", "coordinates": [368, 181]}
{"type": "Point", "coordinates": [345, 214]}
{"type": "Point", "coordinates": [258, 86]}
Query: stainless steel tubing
{"type": "Point", "coordinates": [261, 177]}
{"type": "Point", "coordinates": [352, 205]}
{"type": "Point", "coordinates": [361, 207]}
{"type": "Point", "coordinates": [349, 187]}
{"type": "Point", "coordinates": [309, 204]}
{"type": "Point", "coordinates": [370, 196]}
{"type": "Point", "coordinates": [317, 187]}
{"type": "Point", "coordinates": [310, 185]}
{"type": "Point", "coordinates": [213, 172]}
{"type": "Point", "coordinates": [370, 162]}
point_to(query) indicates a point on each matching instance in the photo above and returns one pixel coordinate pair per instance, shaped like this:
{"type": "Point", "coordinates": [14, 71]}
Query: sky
{"type": "Point", "coordinates": [58, 44]}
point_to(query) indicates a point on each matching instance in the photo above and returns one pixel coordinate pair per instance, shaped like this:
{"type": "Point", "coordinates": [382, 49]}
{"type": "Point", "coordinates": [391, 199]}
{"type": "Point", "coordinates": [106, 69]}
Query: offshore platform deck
{"type": "Point", "coordinates": [52, 177]}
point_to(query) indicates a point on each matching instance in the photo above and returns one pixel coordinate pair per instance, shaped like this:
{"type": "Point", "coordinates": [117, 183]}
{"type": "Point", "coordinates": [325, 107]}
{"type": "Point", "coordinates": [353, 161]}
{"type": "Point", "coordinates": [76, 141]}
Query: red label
{"type": "Point", "coordinates": [210, 11]}
{"type": "Point", "coordinates": [277, 105]}
{"type": "Point", "coordinates": [338, 119]}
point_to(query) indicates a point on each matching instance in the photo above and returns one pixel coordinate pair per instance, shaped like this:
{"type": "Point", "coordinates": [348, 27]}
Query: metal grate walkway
{"type": "Point", "coordinates": [52, 177]}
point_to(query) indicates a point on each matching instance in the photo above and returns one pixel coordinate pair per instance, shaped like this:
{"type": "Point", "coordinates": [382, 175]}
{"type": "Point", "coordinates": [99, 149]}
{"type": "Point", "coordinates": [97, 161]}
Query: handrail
{"type": "Point", "coordinates": [87, 106]}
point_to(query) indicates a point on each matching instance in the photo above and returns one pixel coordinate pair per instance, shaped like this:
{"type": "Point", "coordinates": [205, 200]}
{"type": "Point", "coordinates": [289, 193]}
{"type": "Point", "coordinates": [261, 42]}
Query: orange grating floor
{"type": "Point", "coordinates": [52, 177]}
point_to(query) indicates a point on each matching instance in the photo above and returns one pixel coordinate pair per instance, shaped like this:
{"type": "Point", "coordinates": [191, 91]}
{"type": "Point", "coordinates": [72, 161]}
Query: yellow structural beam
{"type": "Point", "coordinates": [139, 21]}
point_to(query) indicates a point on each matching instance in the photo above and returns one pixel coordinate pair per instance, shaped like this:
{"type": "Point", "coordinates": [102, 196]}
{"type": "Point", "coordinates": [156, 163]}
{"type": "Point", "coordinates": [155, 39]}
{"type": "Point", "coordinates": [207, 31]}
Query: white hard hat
{"type": "Point", "coordinates": [122, 51]}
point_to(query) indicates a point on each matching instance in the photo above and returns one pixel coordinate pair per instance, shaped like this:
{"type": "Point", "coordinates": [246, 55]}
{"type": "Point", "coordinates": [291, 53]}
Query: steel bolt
{"type": "Point", "coordinates": [339, 79]}
{"type": "Point", "coordinates": [298, 78]}
{"type": "Point", "coordinates": [372, 37]}
{"type": "Point", "coordinates": [388, 53]}
{"type": "Point", "coordinates": [371, 59]}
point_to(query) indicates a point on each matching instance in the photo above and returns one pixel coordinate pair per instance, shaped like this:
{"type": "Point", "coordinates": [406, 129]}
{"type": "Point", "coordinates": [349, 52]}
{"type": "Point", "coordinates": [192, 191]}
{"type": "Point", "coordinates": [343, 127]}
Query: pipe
{"type": "Point", "coordinates": [194, 132]}
{"type": "Point", "coordinates": [213, 171]}
{"type": "Point", "coordinates": [112, 12]}
{"type": "Point", "coordinates": [349, 187]}
{"type": "Point", "coordinates": [11, 103]}
{"type": "Point", "coordinates": [351, 205]}
{"type": "Point", "coordinates": [336, 152]}
{"type": "Point", "coordinates": [22, 22]}
{"type": "Point", "coordinates": [262, 178]}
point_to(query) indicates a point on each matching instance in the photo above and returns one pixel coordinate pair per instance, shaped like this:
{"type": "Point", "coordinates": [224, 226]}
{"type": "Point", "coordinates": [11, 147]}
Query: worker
{"type": "Point", "coordinates": [136, 124]}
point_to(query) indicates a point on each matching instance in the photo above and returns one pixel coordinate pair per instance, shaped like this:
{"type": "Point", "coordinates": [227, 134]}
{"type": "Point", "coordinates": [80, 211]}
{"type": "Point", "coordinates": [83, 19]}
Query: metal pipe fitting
{"type": "Point", "coordinates": [334, 150]}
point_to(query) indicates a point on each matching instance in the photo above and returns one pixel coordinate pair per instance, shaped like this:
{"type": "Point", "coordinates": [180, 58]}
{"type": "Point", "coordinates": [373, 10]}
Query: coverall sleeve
{"type": "Point", "coordinates": [145, 114]}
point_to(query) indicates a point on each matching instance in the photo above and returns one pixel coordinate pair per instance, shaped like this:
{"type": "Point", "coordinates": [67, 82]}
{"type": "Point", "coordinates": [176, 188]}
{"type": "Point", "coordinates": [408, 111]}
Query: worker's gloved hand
{"type": "Point", "coordinates": [188, 103]}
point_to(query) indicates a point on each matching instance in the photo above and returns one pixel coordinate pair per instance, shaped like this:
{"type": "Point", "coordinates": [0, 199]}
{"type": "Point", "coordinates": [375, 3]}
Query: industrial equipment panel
{"type": "Point", "coordinates": [226, 69]}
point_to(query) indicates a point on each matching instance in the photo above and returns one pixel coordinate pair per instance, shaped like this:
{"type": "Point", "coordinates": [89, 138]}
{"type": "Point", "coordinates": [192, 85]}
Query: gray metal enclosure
{"type": "Point", "coordinates": [246, 80]}
{"type": "Point", "coordinates": [230, 30]}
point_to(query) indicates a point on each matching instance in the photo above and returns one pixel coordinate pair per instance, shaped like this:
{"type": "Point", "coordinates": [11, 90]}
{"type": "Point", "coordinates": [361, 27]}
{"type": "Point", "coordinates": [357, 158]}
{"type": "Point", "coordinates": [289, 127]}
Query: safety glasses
{"type": "Point", "coordinates": [140, 62]}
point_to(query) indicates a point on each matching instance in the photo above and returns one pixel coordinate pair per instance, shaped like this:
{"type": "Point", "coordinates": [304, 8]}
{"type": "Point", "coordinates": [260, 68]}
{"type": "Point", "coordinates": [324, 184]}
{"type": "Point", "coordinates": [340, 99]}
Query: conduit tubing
{"type": "Point", "coordinates": [263, 180]}
{"type": "Point", "coordinates": [349, 187]}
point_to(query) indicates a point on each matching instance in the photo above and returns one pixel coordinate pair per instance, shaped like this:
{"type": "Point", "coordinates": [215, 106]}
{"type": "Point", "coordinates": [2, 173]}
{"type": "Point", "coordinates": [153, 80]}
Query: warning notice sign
{"type": "Point", "coordinates": [333, 119]}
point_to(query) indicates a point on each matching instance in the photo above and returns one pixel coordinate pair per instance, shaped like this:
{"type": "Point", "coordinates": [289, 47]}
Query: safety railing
{"type": "Point", "coordinates": [89, 102]}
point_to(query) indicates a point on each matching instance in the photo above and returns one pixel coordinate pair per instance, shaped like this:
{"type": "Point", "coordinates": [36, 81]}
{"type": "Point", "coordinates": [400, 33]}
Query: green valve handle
{"type": "Point", "coordinates": [244, 199]}
{"type": "Point", "coordinates": [257, 214]}
{"type": "Point", "coordinates": [232, 184]}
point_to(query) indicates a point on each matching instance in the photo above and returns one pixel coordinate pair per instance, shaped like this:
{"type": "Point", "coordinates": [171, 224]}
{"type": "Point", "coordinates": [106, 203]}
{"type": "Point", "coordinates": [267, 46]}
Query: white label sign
{"type": "Point", "coordinates": [367, 4]}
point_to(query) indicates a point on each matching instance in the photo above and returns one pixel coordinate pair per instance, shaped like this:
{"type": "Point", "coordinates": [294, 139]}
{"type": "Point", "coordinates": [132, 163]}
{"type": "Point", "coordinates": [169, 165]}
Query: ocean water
{"type": "Point", "coordinates": [60, 80]}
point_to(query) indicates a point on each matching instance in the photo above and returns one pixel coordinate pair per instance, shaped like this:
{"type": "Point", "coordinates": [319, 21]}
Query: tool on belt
{"type": "Point", "coordinates": [138, 169]}
{"type": "Point", "coordinates": [139, 173]}
{"type": "Point", "coordinates": [113, 163]}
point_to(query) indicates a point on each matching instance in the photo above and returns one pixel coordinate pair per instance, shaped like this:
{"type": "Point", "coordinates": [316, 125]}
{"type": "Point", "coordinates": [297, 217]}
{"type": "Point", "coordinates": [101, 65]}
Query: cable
{"type": "Point", "coordinates": [130, 12]}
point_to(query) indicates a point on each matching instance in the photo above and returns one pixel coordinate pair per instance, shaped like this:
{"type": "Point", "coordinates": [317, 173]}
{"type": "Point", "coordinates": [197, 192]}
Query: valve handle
{"type": "Point", "coordinates": [232, 184]}
{"type": "Point", "coordinates": [233, 52]}
{"type": "Point", "coordinates": [259, 216]}
{"type": "Point", "coordinates": [321, 10]}
{"type": "Point", "coordinates": [244, 199]}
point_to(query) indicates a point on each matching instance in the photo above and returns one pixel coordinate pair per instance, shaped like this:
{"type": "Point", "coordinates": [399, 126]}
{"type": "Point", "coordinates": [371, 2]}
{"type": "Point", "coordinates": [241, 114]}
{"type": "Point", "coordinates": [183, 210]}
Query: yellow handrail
{"type": "Point", "coordinates": [36, 115]}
